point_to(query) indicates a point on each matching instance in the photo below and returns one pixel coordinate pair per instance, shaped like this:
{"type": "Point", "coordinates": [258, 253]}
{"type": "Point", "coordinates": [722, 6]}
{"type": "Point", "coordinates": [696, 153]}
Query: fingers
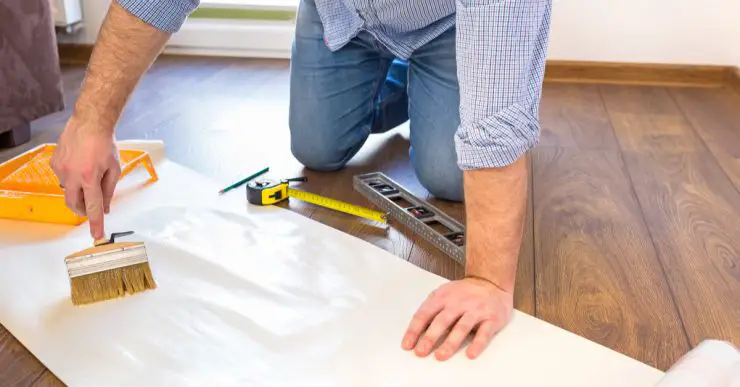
{"type": "Point", "coordinates": [420, 321]}
{"type": "Point", "coordinates": [74, 197]}
{"type": "Point", "coordinates": [441, 324]}
{"type": "Point", "coordinates": [482, 338]}
{"type": "Point", "coordinates": [454, 340]}
{"type": "Point", "coordinates": [110, 179]}
{"type": "Point", "coordinates": [55, 167]}
{"type": "Point", "coordinates": [94, 207]}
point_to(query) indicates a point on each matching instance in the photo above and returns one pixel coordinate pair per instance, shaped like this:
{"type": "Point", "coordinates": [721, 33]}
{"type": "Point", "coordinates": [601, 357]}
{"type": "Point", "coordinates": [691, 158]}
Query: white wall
{"type": "Point", "coordinates": [660, 31]}
{"type": "Point", "coordinates": [668, 31]}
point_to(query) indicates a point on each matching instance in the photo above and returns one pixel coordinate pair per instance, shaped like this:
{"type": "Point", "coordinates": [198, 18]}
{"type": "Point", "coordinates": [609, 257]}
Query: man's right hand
{"type": "Point", "coordinates": [87, 165]}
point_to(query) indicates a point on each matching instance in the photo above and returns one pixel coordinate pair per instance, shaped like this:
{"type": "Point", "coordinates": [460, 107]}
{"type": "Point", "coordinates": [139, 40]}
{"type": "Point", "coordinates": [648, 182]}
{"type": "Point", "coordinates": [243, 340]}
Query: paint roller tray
{"type": "Point", "coordinates": [29, 189]}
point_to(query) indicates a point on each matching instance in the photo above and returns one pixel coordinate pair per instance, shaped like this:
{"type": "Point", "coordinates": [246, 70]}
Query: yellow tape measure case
{"type": "Point", "coordinates": [264, 192]}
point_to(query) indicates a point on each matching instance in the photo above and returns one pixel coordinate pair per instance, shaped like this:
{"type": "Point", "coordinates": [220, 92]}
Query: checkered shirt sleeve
{"type": "Point", "coordinates": [165, 15]}
{"type": "Point", "coordinates": [501, 50]}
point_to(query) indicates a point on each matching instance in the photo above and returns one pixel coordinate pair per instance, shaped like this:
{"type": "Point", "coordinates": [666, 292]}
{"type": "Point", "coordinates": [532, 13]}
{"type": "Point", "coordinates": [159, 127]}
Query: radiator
{"type": "Point", "coordinates": [67, 13]}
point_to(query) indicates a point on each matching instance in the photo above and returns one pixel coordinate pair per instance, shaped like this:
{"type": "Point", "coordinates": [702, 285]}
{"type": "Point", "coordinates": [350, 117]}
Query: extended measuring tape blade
{"type": "Point", "coordinates": [337, 205]}
{"type": "Point", "coordinates": [267, 191]}
{"type": "Point", "coordinates": [429, 222]}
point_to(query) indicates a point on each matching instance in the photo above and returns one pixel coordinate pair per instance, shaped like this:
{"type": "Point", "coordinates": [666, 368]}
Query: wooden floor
{"type": "Point", "coordinates": [633, 231]}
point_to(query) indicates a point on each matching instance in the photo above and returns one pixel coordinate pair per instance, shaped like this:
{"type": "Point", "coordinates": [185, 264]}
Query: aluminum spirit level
{"type": "Point", "coordinates": [428, 221]}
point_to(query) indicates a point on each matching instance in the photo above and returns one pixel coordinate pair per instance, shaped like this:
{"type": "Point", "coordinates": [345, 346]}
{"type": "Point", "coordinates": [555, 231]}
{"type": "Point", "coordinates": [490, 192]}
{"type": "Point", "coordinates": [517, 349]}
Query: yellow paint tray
{"type": "Point", "coordinates": [29, 189]}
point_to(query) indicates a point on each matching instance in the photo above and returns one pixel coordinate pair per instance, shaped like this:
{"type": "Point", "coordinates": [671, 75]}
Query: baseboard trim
{"type": "Point", "coordinates": [733, 78]}
{"type": "Point", "coordinates": [556, 70]}
{"type": "Point", "coordinates": [226, 53]}
{"type": "Point", "coordinates": [636, 73]}
{"type": "Point", "coordinates": [74, 53]}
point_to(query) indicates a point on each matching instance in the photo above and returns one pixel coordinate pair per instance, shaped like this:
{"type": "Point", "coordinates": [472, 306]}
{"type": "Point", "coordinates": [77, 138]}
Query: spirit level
{"type": "Point", "coordinates": [428, 221]}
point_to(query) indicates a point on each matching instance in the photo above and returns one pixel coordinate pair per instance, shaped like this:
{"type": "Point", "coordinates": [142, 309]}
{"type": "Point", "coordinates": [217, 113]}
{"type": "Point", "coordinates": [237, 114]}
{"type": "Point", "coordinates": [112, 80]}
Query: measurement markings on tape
{"type": "Point", "coordinates": [429, 222]}
{"type": "Point", "coordinates": [336, 205]}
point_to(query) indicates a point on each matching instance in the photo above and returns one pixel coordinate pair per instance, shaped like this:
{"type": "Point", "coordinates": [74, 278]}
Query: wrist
{"type": "Point", "coordinates": [489, 281]}
{"type": "Point", "coordinates": [85, 121]}
{"type": "Point", "coordinates": [504, 280]}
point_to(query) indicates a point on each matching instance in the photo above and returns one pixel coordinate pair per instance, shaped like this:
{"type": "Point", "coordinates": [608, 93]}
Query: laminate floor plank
{"type": "Point", "coordinates": [694, 216]}
{"type": "Point", "coordinates": [646, 119]}
{"type": "Point", "coordinates": [715, 114]}
{"type": "Point", "coordinates": [47, 379]}
{"type": "Point", "coordinates": [691, 207]}
{"type": "Point", "coordinates": [597, 271]}
{"type": "Point", "coordinates": [574, 116]}
{"type": "Point", "coordinates": [18, 367]}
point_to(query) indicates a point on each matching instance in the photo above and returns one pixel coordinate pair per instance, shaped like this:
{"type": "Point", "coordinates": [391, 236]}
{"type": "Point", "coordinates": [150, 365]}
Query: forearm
{"type": "Point", "coordinates": [501, 50]}
{"type": "Point", "coordinates": [125, 49]}
{"type": "Point", "coordinates": [496, 203]}
{"type": "Point", "coordinates": [131, 36]}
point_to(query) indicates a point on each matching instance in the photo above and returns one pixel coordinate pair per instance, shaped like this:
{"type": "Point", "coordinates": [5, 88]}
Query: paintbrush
{"type": "Point", "coordinates": [109, 270]}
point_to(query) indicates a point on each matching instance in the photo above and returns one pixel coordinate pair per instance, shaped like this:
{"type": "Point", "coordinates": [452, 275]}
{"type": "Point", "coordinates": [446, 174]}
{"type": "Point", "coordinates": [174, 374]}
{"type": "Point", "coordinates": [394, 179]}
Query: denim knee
{"type": "Point", "coordinates": [443, 186]}
{"type": "Point", "coordinates": [442, 182]}
{"type": "Point", "coordinates": [316, 155]}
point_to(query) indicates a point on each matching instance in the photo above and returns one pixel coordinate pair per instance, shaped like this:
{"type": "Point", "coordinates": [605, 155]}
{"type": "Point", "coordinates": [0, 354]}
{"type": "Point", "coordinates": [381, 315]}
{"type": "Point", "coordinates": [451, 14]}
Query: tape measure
{"type": "Point", "coordinates": [429, 222]}
{"type": "Point", "coordinates": [265, 192]}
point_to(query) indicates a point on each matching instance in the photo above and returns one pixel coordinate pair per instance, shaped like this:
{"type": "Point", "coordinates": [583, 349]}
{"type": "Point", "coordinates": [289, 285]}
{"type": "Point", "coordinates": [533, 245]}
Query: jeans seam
{"type": "Point", "coordinates": [379, 80]}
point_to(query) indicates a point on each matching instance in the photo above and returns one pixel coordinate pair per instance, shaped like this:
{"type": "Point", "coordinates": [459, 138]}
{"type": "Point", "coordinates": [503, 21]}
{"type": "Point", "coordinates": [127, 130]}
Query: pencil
{"type": "Point", "coordinates": [246, 179]}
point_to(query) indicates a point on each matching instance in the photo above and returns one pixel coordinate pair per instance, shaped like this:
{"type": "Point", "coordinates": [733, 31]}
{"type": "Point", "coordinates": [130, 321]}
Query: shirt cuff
{"type": "Point", "coordinates": [497, 141]}
{"type": "Point", "coordinates": [164, 15]}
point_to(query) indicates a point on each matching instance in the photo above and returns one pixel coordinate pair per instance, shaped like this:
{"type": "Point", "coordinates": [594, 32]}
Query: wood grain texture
{"type": "Point", "coordinates": [47, 379]}
{"type": "Point", "coordinates": [647, 119]}
{"type": "Point", "coordinates": [691, 206]}
{"type": "Point", "coordinates": [18, 367]}
{"type": "Point", "coordinates": [694, 216]}
{"type": "Point", "coordinates": [573, 116]}
{"type": "Point", "coordinates": [597, 271]}
{"type": "Point", "coordinates": [715, 114]}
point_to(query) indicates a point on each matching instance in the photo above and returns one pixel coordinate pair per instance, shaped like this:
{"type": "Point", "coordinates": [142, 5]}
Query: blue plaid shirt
{"type": "Point", "coordinates": [501, 48]}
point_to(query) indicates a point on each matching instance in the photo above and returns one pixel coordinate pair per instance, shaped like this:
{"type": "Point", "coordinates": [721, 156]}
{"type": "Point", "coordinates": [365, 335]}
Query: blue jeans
{"type": "Point", "coordinates": [337, 99]}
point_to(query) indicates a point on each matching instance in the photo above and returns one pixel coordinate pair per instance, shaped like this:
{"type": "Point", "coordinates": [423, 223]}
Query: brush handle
{"type": "Point", "coordinates": [112, 239]}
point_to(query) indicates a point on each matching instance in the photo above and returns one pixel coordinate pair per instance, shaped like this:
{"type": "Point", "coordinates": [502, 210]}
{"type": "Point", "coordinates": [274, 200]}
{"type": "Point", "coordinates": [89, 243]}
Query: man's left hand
{"type": "Point", "coordinates": [459, 307]}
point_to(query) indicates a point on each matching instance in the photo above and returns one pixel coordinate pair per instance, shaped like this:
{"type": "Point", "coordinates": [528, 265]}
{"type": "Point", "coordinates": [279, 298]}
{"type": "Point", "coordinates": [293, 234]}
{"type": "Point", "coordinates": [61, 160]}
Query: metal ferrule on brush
{"type": "Point", "coordinates": [106, 260]}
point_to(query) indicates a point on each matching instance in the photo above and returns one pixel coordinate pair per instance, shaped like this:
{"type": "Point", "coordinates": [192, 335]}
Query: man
{"type": "Point", "coordinates": [475, 70]}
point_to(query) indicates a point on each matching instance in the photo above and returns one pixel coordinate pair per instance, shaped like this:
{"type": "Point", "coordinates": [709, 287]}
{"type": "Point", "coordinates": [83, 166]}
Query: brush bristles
{"type": "Point", "coordinates": [111, 284]}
